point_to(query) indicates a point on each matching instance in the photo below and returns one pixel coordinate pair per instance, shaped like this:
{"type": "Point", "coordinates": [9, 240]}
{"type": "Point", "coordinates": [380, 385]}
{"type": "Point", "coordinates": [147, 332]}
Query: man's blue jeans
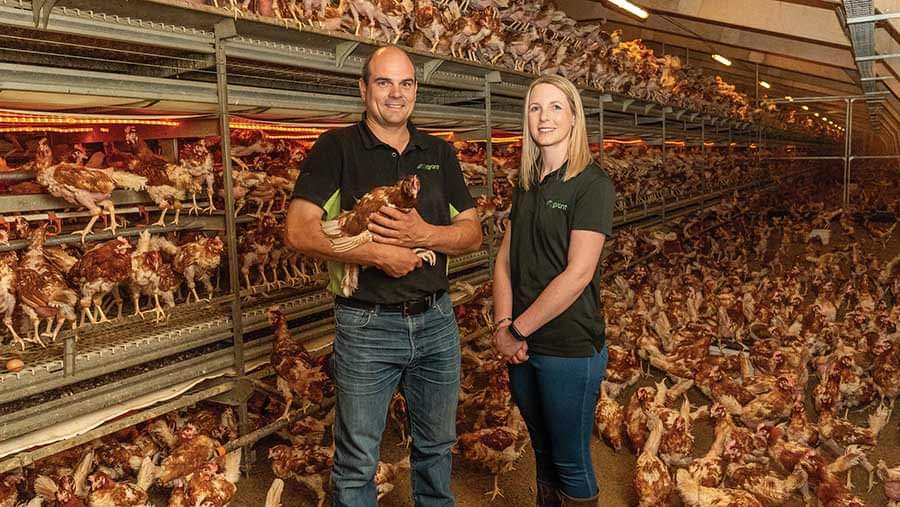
{"type": "Point", "coordinates": [557, 397]}
{"type": "Point", "coordinates": [374, 351]}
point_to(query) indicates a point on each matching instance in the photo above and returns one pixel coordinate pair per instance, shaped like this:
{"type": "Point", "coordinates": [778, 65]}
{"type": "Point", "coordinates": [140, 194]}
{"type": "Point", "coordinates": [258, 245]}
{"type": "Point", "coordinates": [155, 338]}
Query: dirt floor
{"type": "Point", "coordinates": [614, 472]}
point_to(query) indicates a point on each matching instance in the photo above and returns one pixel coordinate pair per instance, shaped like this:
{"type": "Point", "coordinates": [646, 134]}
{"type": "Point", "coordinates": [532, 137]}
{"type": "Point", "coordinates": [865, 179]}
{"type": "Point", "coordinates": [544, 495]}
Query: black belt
{"type": "Point", "coordinates": [411, 307]}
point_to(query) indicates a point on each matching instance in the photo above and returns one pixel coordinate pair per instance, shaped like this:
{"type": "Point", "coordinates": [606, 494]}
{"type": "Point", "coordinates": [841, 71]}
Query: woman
{"type": "Point", "coordinates": [547, 290]}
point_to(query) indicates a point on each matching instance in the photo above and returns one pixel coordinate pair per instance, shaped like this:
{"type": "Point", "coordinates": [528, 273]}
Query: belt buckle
{"type": "Point", "coordinates": [416, 306]}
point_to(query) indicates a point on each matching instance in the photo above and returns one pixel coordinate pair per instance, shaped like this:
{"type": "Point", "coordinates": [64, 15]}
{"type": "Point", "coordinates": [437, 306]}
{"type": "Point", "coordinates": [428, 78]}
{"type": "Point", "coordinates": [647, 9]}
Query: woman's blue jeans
{"type": "Point", "coordinates": [557, 397]}
{"type": "Point", "coordinates": [374, 351]}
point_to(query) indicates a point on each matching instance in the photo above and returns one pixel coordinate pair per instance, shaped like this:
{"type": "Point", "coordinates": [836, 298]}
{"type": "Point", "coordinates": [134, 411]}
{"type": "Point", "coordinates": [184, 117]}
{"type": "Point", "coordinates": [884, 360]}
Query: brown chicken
{"type": "Point", "coordinates": [708, 469]}
{"type": "Point", "coordinates": [254, 247]}
{"type": "Point", "coordinates": [387, 474]}
{"type": "Point", "coordinates": [146, 271]}
{"type": "Point", "coordinates": [308, 464]}
{"type": "Point", "coordinates": [108, 493]}
{"type": "Point", "coordinates": [891, 479]}
{"type": "Point", "coordinates": [299, 375]}
{"type": "Point", "coordinates": [652, 481]}
{"type": "Point", "coordinates": [196, 160]}
{"type": "Point", "coordinates": [42, 289]}
{"type": "Point", "coordinates": [843, 432]}
{"type": "Point", "coordinates": [165, 185]}
{"type": "Point", "coordinates": [609, 418]}
{"type": "Point", "coordinates": [496, 449]}
{"type": "Point", "coordinates": [98, 272]}
{"type": "Point", "coordinates": [81, 185]}
{"type": "Point", "coordinates": [761, 481]}
{"type": "Point", "coordinates": [61, 486]}
{"type": "Point", "coordinates": [696, 495]}
{"type": "Point", "coordinates": [350, 229]}
{"type": "Point", "coordinates": [199, 260]}
{"type": "Point", "coordinates": [192, 452]}
{"type": "Point", "coordinates": [208, 487]}
{"type": "Point", "coordinates": [8, 263]}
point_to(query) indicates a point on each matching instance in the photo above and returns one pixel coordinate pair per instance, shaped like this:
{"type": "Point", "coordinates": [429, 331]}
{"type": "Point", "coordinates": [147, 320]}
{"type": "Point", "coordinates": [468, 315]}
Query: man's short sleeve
{"type": "Point", "coordinates": [594, 204]}
{"type": "Point", "coordinates": [320, 175]}
{"type": "Point", "coordinates": [457, 191]}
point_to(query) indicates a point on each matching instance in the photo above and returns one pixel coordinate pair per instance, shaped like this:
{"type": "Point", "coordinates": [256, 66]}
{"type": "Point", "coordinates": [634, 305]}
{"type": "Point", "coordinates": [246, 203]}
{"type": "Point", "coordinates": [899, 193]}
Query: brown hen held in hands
{"type": "Point", "coordinates": [351, 228]}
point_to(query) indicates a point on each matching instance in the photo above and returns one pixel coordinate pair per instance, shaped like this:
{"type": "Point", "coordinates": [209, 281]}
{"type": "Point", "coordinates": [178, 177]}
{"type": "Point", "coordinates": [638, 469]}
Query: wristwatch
{"type": "Point", "coordinates": [515, 332]}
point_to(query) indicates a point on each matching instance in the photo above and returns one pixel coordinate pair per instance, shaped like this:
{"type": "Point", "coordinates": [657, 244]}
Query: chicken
{"type": "Point", "coordinates": [798, 429]}
{"type": "Point", "coordinates": [120, 459]}
{"type": "Point", "coordinates": [609, 418]}
{"type": "Point", "coordinates": [843, 432]}
{"type": "Point", "coordinates": [769, 407]}
{"type": "Point", "coordinates": [308, 464]}
{"type": "Point", "coordinates": [165, 184]}
{"type": "Point", "coordinates": [707, 470]}
{"type": "Point", "coordinates": [398, 411]}
{"type": "Point", "coordinates": [199, 260]}
{"type": "Point", "coordinates": [386, 474]}
{"type": "Point", "coordinates": [759, 480]}
{"type": "Point", "coordinates": [67, 486]}
{"type": "Point", "coordinates": [107, 493]}
{"type": "Point", "coordinates": [496, 449]}
{"type": "Point", "coordinates": [350, 229]}
{"type": "Point", "coordinates": [217, 421]}
{"type": "Point", "coordinates": [652, 481]}
{"type": "Point", "coordinates": [891, 479]}
{"type": "Point", "coordinates": [196, 160]}
{"type": "Point", "coordinates": [98, 272]}
{"type": "Point", "coordinates": [81, 185]}
{"type": "Point", "coordinates": [42, 289]}
{"type": "Point", "coordinates": [299, 375]}
{"type": "Point", "coordinates": [254, 247]}
{"type": "Point", "coordinates": [192, 452]}
{"type": "Point", "coordinates": [8, 262]}
{"type": "Point", "coordinates": [677, 443]}
{"type": "Point", "coordinates": [146, 266]}
{"type": "Point", "coordinates": [696, 495]}
{"type": "Point", "coordinates": [207, 487]}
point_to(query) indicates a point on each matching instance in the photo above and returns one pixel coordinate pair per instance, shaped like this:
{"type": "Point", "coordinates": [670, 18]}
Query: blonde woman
{"type": "Point", "coordinates": [547, 290]}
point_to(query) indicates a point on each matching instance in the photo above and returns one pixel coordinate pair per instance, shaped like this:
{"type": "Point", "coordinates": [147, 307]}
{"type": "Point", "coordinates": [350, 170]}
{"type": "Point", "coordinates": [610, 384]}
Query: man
{"type": "Point", "coordinates": [398, 328]}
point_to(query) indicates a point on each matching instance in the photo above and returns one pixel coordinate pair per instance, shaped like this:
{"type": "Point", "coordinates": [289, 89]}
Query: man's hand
{"type": "Point", "coordinates": [400, 227]}
{"type": "Point", "coordinates": [397, 262]}
{"type": "Point", "coordinates": [508, 348]}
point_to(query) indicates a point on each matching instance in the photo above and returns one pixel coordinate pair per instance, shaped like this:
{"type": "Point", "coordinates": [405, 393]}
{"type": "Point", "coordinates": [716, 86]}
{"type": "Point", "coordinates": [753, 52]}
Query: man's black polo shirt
{"type": "Point", "coordinates": [346, 163]}
{"type": "Point", "coordinates": [542, 221]}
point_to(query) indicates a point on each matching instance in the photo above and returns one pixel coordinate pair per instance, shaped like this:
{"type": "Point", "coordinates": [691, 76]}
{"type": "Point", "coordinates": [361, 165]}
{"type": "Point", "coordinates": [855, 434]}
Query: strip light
{"type": "Point", "coordinates": [631, 8]}
{"type": "Point", "coordinates": [305, 137]}
{"type": "Point", "coordinates": [765, 84]}
{"type": "Point", "coordinates": [276, 128]}
{"type": "Point", "coordinates": [721, 59]}
{"type": "Point", "coordinates": [617, 141]}
{"type": "Point", "coordinates": [498, 140]}
{"type": "Point", "coordinates": [54, 130]}
{"type": "Point", "coordinates": [83, 121]}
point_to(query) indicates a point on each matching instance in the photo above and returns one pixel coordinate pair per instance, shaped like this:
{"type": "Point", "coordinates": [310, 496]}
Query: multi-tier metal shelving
{"type": "Point", "coordinates": [203, 65]}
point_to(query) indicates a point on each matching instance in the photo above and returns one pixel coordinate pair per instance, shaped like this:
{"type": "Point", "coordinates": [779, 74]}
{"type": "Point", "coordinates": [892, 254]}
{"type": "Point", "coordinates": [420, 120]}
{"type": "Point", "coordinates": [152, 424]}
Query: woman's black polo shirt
{"type": "Point", "coordinates": [542, 221]}
{"type": "Point", "coordinates": [346, 163]}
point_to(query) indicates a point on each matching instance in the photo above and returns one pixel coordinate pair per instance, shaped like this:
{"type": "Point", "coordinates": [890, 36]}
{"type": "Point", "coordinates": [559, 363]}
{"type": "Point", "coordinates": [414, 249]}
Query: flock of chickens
{"type": "Point", "coordinates": [77, 284]}
{"type": "Point", "coordinates": [523, 36]}
{"type": "Point", "coordinates": [772, 312]}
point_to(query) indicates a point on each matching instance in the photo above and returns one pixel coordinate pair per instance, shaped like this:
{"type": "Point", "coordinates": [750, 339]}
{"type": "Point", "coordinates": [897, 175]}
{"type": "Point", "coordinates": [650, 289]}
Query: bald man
{"type": "Point", "coordinates": [398, 328]}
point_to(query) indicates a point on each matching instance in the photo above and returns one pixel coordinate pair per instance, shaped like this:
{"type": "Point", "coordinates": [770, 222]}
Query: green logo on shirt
{"type": "Point", "coordinates": [557, 205]}
{"type": "Point", "coordinates": [428, 167]}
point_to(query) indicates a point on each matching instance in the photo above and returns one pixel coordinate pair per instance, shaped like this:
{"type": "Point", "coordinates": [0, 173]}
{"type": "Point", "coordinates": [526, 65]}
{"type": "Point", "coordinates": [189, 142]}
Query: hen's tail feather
{"type": "Point", "coordinates": [233, 466]}
{"type": "Point", "coordinates": [35, 502]}
{"type": "Point", "coordinates": [345, 244]}
{"type": "Point", "coordinates": [146, 474]}
{"type": "Point", "coordinates": [81, 472]}
{"type": "Point", "coordinates": [332, 228]}
{"type": "Point", "coordinates": [129, 181]}
{"type": "Point", "coordinates": [273, 497]}
{"type": "Point", "coordinates": [879, 419]}
{"type": "Point", "coordinates": [45, 487]}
